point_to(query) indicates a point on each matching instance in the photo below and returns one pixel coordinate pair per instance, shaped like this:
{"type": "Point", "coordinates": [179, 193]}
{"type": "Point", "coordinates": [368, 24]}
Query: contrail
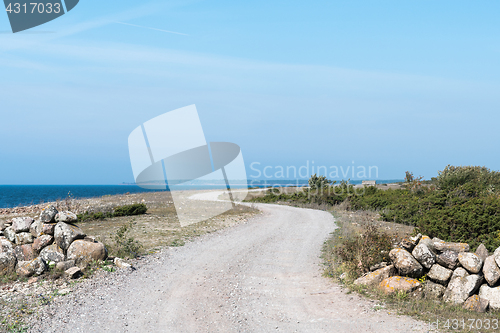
{"type": "Point", "coordinates": [140, 26]}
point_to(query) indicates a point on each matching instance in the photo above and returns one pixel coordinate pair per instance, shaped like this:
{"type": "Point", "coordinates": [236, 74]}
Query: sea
{"type": "Point", "coordinates": [26, 195]}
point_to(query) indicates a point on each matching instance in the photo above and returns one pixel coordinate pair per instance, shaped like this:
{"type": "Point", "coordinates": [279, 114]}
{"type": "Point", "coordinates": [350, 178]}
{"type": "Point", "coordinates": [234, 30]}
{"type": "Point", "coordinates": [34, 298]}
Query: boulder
{"type": "Point", "coordinates": [24, 252]}
{"type": "Point", "coordinates": [52, 253]}
{"type": "Point", "coordinates": [120, 263]}
{"type": "Point", "coordinates": [405, 263]}
{"type": "Point", "coordinates": [461, 286]}
{"type": "Point", "coordinates": [407, 244]}
{"type": "Point", "coordinates": [427, 241]}
{"type": "Point", "coordinates": [22, 224]}
{"type": "Point", "coordinates": [24, 238]}
{"type": "Point", "coordinates": [448, 246]}
{"type": "Point", "coordinates": [379, 266]}
{"type": "Point", "coordinates": [7, 257]}
{"type": "Point", "coordinates": [48, 228]}
{"type": "Point", "coordinates": [433, 290]}
{"type": "Point", "coordinates": [66, 216]}
{"type": "Point", "coordinates": [492, 295]}
{"type": "Point", "coordinates": [470, 262]}
{"type": "Point", "coordinates": [36, 228]}
{"type": "Point", "coordinates": [83, 252]}
{"type": "Point", "coordinates": [424, 255]}
{"type": "Point", "coordinates": [482, 252]}
{"type": "Point", "coordinates": [399, 283]}
{"type": "Point", "coordinates": [65, 265]}
{"type": "Point", "coordinates": [73, 272]}
{"type": "Point", "coordinates": [491, 271]}
{"type": "Point", "coordinates": [65, 234]}
{"type": "Point", "coordinates": [10, 234]}
{"type": "Point", "coordinates": [40, 242]}
{"type": "Point", "coordinates": [476, 303]}
{"type": "Point", "coordinates": [439, 274]}
{"type": "Point", "coordinates": [496, 254]}
{"type": "Point", "coordinates": [33, 267]}
{"type": "Point", "coordinates": [3, 225]}
{"type": "Point", "coordinates": [48, 214]}
{"type": "Point", "coordinates": [448, 259]}
{"type": "Point", "coordinates": [374, 278]}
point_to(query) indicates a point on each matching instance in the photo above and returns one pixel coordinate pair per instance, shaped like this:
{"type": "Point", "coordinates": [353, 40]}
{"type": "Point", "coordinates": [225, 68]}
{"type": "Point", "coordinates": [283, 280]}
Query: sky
{"type": "Point", "coordinates": [396, 85]}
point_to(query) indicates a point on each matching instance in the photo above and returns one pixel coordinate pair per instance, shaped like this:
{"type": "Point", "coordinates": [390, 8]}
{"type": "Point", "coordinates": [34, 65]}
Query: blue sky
{"type": "Point", "coordinates": [401, 85]}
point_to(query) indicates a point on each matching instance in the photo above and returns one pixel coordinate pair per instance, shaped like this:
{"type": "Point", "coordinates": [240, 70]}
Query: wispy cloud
{"type": "Point", "coordinates": [150, 28]}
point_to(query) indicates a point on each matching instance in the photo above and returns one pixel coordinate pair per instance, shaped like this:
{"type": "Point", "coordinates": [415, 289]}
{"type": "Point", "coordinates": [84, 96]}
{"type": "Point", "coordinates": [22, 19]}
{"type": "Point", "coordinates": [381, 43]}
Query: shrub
{"type": "Point", "coordinates": [128, 210]}
{"type": "Point", "coordinates": [125, 246]}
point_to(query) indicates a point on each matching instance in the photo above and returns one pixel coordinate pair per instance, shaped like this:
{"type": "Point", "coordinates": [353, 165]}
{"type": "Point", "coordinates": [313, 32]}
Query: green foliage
{"type": "Point", "coordinates": [468, 181]}
{"type": "Point", "coordinates": [125, 246]}
{"type": "Point", "coordinates": [126, 210]}
{"type": "Point", "coordinates": [319, 182]}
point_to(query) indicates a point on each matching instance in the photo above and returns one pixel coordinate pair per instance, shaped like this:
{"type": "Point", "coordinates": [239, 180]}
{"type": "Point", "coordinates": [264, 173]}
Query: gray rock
{"type": "Point", "coordinates": [416, 239]}
{"type": "Point", "coordinates": [461, 286]}
{"type": "Point", "coordinates": [24, 238]}
{"type": "Point", "coordinates": [407, 244]}
{"type": "Point", "coordinates": [10, 234]}
{"type": "Point", "coordinates": [73, 272]}
{"type": "Point", "coordinates": [84, 252]}
{"type": "Point", "coordinates": [40, 242]}
{"type": "Point", "coordinates": [470, 262]}
{"type": "Point", "coordinates": [379, 266]}
{"type": "Point", "coordinates": [496, 254]}
{"type": "Point", "coordinates": [427, 241]}
{"type": "Point", "coordinates": [120, 263]}
{"type": "Point", "coordinates": [7, 257]}
{"type": "Point", "coordinates": [448, 259]}
{"type": "Point", "coordinates": [33, 267]}
{"type": "Point", "coordinates": [52, 253]}
{"type": "Point", "coordinates": [370, 279]}
{"type": "Point", "coordinates": [476, 304]}
{"type": "Point", "coordinates": [48, 228]}
{"type": "Point", "coordinates": [22, 224]}
{"type": "Point", "coordinates": [492, 295]}
{"type": "Point", "coordinates": [433, 290]}
{"type": "Point", "coordinates": [405, 263]}
{"type": "Point", "coordinates": [66, 216]}
{"type": "Point", "coordinates": [65, 265]}
{"type": "Point", "coordinates": [448, 246]}
{"type": "Point", "coordinates": [482, 252]}
{"type": "Point", "coordinates": [48, 214]}
{"type": "Point", "coordinates": [36, 228]}
{"type": "Point", "coordinates": [424, 256]}
{"type": "Point", "coordinates": [65, 234]}
{"type": "Point", "coordinates": [24, 252]}
{"type": "Point", "coordinates": [3, 225]}
{"type": "Point", "coordinates": [491, 271]}
{"type": "Point", "coordinates": [439, 274]}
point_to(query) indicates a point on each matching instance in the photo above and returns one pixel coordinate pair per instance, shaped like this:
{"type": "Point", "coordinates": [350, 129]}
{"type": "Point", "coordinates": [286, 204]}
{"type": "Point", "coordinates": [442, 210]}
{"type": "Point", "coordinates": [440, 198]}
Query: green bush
{"type": "Point", "coordinates": [127, 210]}
{"type": "Point", "coordinates": [125, 246]}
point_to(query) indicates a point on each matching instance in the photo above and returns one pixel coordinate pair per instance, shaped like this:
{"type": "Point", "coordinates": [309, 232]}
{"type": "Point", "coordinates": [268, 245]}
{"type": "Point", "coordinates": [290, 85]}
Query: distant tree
{"type": "Point", "coordinates": [319, 182]}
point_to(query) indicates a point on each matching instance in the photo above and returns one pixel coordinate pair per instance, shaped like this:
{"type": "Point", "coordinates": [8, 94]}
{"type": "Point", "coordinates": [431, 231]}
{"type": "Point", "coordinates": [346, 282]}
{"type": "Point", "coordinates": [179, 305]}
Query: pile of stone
{"type": "Point", "coordinates": [440, 270]}
{"type": "Point", "coordinates": [30, 247]}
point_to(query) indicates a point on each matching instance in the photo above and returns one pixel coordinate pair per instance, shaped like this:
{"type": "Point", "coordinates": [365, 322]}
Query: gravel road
{"type": "Point", "coordinates": [260, 276]}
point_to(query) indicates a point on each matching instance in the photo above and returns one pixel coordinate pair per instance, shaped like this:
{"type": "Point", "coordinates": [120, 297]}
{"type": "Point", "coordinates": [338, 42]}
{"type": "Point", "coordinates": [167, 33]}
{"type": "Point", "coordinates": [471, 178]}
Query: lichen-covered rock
{"type": "Point", "coordinates": [66, 216]}
{"type": "Point", "coordinates": [433, 290]}
{"type": "Point", "coordinates": [374, 278]}
{"type": "Point", "coordinates": [427, 241]}
{"type": "Point", "coordinates": [10, 234]}
{"type": "Point", "coordinates": [24, 252]}
{"type": "Point", "coordinates": [65, 234]}
{"type": "Point", "coordinates": [407, 244]}
{"type": "Point", "coordinates": [83, 252]}
{"type": "Point", "coordinates": [492, 295]}
{"type": "Point", "coordinates": [48, 214]}
{"type": "Point", "coordinates": [470, 262]}
{"type": "Point", "coordinates": [399, 283]}
{"type": "Point", "coordinates": [449, 246]}
{"type": "Point", "coordinates": [496, 254]}
{"type": "Point", "coordinates": [48, 228]}
{"type": "Point", "coordinates": [52, 253]}
{"type": "Point", "coordinates": [7, 257]}
{"type": "Point", "coordinates": [491, 271]}
{"type": "Point", "coordinates": [461, 286]}
{"type": "Point", "coordinates": [40, 242]}
{"type": "Point", "coordinates": [424, 255]}
{"type": "Point", "coordinates": [482, 252]}
{"type": "Point", "coordinates": [448, 259]}
{"type": "Point", "coordinates": [36, 228]}
{"type": "Point", "coordinates": [439, 274]}
{"type": "Point", "coordinates": [476, 303]}
{"type": "Point", "coordinates": [379, 266]}
{"type": "Point", "coordinates": [22, 224]}
{"type": "Point", "coordinates": [405, 263]}
{"type": "Point", "coordinates": [33, 267]}
{"type": "Point", "coordinates": [65, 265]}
{"type": "Point", "coordinates": [24, 238]}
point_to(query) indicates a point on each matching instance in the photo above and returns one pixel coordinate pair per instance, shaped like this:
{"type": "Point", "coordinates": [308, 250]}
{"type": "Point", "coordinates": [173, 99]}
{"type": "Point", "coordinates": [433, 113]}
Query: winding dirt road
{"type": "Point", "coordinates": [260, 276]}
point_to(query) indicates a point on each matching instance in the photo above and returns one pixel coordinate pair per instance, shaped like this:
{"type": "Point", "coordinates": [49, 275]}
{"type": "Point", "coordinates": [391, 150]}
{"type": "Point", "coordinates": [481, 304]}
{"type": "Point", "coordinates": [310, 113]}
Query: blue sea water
{"type": "Point", "coordinates": [25, 195]}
